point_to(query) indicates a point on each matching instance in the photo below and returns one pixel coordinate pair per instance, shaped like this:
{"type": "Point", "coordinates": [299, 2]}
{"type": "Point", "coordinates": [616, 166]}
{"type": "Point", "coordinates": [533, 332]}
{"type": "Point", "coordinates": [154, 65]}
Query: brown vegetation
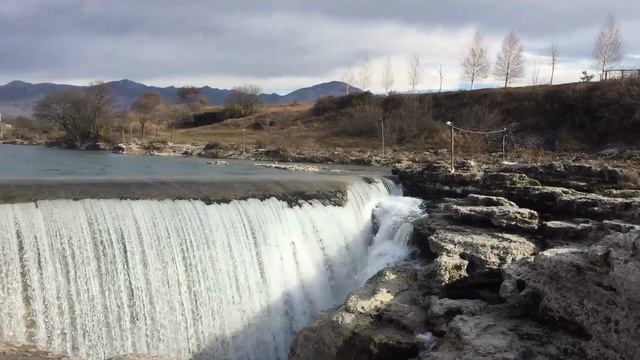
{"type": "Point", "coordinates": [540, 120]}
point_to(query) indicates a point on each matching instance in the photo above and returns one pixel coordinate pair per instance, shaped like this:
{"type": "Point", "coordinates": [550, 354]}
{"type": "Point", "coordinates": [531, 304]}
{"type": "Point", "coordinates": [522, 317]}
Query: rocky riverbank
{"type": "Point", "coordinates": [516, 262]}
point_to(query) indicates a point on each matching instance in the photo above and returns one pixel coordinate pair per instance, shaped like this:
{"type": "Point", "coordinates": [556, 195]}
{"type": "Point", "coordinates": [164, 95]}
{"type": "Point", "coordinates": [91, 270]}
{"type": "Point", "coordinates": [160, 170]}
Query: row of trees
{"type": "Point", "coordinates": [88, 117]}
{"type": "Point", "coordinates": [509, 65]}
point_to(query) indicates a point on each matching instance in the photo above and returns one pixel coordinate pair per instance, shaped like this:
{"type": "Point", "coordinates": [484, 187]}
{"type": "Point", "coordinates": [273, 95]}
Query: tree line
{"type": "Point", "coordinates": [509, 65]}
{"type": "Point", "coordinates": [89, 117]}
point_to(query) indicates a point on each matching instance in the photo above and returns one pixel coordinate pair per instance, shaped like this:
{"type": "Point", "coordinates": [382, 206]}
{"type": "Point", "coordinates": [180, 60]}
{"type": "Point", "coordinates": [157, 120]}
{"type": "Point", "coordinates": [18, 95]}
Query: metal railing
{"type": "Point", "coordinates": [620, 74]}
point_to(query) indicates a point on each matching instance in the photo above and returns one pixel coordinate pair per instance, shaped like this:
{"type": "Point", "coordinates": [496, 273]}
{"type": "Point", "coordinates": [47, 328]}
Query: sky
{"type": "Point", "coordinates": [288, 44]}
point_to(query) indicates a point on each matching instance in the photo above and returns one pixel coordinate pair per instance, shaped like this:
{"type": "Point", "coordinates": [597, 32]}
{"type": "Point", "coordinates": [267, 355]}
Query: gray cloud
{"type": "Point", "coordinates": [281, 43]}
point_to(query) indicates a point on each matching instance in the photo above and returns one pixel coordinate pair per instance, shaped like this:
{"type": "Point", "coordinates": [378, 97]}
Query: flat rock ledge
{"type": "Point", "coordinates": [508, 268]}
{"type": "Point", "coordinates": [22, 351]}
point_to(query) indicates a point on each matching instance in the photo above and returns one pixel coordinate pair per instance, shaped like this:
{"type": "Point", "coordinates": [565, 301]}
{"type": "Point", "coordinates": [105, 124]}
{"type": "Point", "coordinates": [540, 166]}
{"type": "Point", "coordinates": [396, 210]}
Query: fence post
{"type": "Point", "coordinates": [504, 137]}
{"type": "Point", "coordinates": [453, 168]}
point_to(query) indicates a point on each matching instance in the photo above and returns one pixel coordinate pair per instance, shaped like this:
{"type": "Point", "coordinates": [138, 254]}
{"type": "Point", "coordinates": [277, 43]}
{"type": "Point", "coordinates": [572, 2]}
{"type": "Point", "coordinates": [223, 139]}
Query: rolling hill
{"type": "Point", "coordinates": [19, 97]}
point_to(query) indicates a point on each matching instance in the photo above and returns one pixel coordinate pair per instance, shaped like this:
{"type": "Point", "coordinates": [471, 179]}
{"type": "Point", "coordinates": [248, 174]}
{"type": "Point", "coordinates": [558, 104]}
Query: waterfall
{"type": "Point", "coordinates": [99, 278]}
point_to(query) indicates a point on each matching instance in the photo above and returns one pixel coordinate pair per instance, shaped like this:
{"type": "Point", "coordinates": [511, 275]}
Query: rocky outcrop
{"type": "Point", "coordinates": [582, 177]}
{"type": "Point", "coordinates": [593, 290]}
{"type": "Point", "coordinates": [508, 269]}
{"type": "Point", "coordinates": [376, 322]}
{"type": "Point", "coordinates": [435, 181]}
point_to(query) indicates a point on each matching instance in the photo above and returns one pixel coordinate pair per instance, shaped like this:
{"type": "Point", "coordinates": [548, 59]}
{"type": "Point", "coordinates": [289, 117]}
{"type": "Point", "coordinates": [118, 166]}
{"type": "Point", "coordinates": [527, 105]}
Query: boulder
{"type": "Point", "coordinates": [494, 335]}
{"type": "Point", "coordinates": [378, 321]}
{"type": "Point", "coordinates": [506, 217]}
{"type": "Point", "coordinates": [119, 149]}
{"type": "Point", "coordinates": [570, 229]}
{"type": "Point", "coordinates": [592, 291]}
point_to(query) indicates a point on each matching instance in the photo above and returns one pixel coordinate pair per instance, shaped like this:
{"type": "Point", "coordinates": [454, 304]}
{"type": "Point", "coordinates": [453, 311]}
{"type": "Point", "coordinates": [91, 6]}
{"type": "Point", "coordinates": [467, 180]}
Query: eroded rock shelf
{"type": "Point", "coordinates": [516, 262]}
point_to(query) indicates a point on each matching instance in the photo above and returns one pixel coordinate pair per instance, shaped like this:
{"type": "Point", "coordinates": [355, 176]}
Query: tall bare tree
{"type": "Point", "coordinates": [414, 72]}
{"type": "Point", "coordinates": [475, 64]}
{"type": "Point", "coordinates": [387, 75]}
{"type": "Point", "coordinates": [608, 50]}
{"type": "Point", "coordinates": [535, 73]}
{"type": "Point", "coordinates": [555, 53]}
{"type": "Point", "coordinates": [98, 105]}
{"type": "Point", "coordinates": [145, 106]}
{"type": "Point", "coordinates": [347, 78]}
{"type": "Point", "coordinates": [365, 74]}
{"type": "Point", "coordinates": [509, 63]}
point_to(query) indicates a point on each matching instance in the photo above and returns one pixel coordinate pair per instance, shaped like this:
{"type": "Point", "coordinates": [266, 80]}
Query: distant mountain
{"type": "Point", "coordinates": [19, 97]}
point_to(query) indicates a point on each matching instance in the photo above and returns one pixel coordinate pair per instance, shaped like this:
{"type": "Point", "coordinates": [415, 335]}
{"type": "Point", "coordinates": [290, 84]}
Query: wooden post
{"type": "Point", "coordinates": [453, 168]}
{"type": "Point", "coordinates": [382, 133]}
{"type": "Point", "coordinates": [244, 136]}
{"type": "Point", "coordinates": [504, 137]}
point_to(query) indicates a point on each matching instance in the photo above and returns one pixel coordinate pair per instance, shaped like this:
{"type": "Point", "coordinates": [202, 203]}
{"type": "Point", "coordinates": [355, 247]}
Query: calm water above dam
{"type": "Point", "coordinates": [35, 162]}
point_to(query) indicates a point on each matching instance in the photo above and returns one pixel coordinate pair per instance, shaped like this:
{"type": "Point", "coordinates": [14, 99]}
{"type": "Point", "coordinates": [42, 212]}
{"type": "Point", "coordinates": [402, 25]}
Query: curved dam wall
{"type": "Point", "coordinates": [187, 278]}
{"type": "Point", "coordinates": [291, 188]}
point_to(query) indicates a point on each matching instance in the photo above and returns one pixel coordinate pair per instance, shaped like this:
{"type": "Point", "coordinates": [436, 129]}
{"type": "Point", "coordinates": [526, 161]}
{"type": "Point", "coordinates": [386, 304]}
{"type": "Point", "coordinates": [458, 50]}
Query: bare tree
{"type": "Point", "coordinates": [475, 64]}
{"type": "Point", "coordinates": [65, 109]}
{"type": "Point", "coordinates": [365, 74]}
{"type": "Point", "coordinates": [441, 74]}
{"type": "Point", "coordinates": [509, 63]}
{"type": "Point", "coordinates": [82, 116]}
{"type": "Point", "coordinates": [535, 73]}
{"type": "Point", "coordinates": [414, 73]}
{"type": "Point", "coordinates": [608, 50]}
{"type": "Point", "coordinates": [192, 97]}
{"type": "Point", "coordinates": [555, 53]}
{"type": "Point", "coordinates": [347, 78]}
{"type": "Point", "coordinates": [145, 106]}
{"type": "Point", "coordinates": [98, 102]}
{"type": "Point", "coordinates": [387, 75]}
{"type": "Point", "coordinates": [245, 98]}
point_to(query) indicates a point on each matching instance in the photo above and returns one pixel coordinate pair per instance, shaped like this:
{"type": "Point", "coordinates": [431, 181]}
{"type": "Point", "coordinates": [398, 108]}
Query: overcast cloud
{"type": "Point", "coordinates": [283, 45]}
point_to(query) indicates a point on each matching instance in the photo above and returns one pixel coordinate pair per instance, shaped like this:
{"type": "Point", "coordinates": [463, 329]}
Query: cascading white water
{"type": "Point", "coordinates": [98, 278]}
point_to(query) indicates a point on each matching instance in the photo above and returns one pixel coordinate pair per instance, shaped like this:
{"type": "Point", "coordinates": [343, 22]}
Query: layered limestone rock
{"type": "Point", "coordinates": [590, 290]}
{"type": "Point", "coordinates": [508, 269]}
{"type": "Point", "coordinates": [435, 180]}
